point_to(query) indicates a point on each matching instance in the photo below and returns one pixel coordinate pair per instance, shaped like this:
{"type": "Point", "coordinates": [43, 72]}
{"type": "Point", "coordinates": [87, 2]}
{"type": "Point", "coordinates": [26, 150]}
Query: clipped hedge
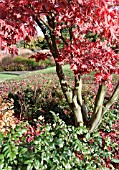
{"type": "Point", "coordinates": [18, 64]}
{"type": "Point", "coordinates": [24, 64]}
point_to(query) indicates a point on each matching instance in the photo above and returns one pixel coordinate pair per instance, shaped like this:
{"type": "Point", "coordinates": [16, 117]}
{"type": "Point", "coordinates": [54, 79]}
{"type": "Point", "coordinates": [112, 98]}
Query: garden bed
{"type": "Point", "coordinates": [44, 127]}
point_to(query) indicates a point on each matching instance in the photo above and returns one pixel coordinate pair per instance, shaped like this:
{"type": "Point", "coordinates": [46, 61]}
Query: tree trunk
{"type": "Point", "coordinates": [74, 96]}
{"type": "Point", "coordinates": [77, 112]}
{"type": "Point", "coordinates": [98, 108]}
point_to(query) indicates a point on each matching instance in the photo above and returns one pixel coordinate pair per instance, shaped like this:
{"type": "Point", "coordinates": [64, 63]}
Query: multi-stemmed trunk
{"type": "Point", "coordinates": [77, 105]}
{"type": "Point", "coordinates": [74, 96]}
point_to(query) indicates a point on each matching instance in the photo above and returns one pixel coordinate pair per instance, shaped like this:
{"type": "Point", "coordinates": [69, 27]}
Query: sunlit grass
{"type": "Point", "coordinates": [52, 70]}
{"type": "Point", "coordinates": [4, 77]}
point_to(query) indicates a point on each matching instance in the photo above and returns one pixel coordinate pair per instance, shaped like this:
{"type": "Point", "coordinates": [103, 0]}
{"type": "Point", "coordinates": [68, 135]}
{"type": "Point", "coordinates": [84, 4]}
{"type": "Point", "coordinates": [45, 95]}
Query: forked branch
{"type": "Point", "coordinates": [112, 99]}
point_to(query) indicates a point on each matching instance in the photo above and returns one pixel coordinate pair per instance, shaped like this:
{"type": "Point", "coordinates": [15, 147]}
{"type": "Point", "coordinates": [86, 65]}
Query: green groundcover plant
{"type": "Point", "coordinates": [59, 146]}
{"type": "Point", "coordinates": [82, 33]}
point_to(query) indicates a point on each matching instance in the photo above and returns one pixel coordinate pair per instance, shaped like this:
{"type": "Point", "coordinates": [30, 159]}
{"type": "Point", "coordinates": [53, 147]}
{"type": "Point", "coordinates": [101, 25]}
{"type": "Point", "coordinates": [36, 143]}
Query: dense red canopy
{"type": "Point", "coordinates": [99, 17]}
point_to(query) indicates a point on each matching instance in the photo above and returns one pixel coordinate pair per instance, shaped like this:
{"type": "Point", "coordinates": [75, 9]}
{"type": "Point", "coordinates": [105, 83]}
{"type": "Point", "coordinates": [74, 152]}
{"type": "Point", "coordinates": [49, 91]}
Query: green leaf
{"type": "Point", "coordinates": [1, 157]}
{"type": "Point", "coordinates": [1, 137]}
{"type": "Point", "coordinates": [29, 167]}
{"type": "Point", "coordinates": [115, 160]}
{"type": "Point", "coordinates": [6, 148]}
{"type": "Point", "coordinates": [36, 164]}
{"type": "Point", "coordinates": [67, 166]}
{"type": "Point", "coordinates": [16, 135]}
{"type": "Point", "coordinates": [8, 154]}
{"type": "Point", "coordinates": [24, 130]}
{"type": "Point", "coordinates": [1, 165]}
{"type": "Point", "coordinates": [36, 142]}
{"type": "Point", "coordinates": [60, 142]}
{"type": "Point", "coordinates": [12, 155]}
{"type": "Point", "coordinates": [96, 134]}
{"type": "Point", "coordinates": [87, 136]}
{"type": "Point", "coordinates": [28, 161]}
{"type": "Point", "coordinates": [23, 150]}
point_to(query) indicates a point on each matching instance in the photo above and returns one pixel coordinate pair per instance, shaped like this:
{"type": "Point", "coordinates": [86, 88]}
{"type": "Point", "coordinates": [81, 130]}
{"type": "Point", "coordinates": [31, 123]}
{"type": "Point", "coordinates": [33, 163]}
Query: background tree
{"type": "Point", "coordinates": [91, 28]}
{"type": "Point", "coordinates": [37, 42]}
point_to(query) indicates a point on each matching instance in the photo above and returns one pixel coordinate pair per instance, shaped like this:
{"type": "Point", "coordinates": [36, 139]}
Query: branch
{"type": "Point", "coordinates": [46, 24]}
{"type": "Point", "coordinates": [77, 112]}
{"type": "Point", "coordinates": [44, 32]}
{"type": "Point", "coordinates": [113, 98]}
{"type": "Point", "coordinates": [54, 49]}
{"type": "Point", "coordinates": [64, 85]}
{"type": "Point", "coordinates": [99, 97]}
{"type": "Point", "coordinates": [78, 86]}
{"type": "Point", "coordinates": [96, 120]}
{"type": "Point", "coordinates": [63, 39]}
{"type": "Point", "coordinates": [97, 114]}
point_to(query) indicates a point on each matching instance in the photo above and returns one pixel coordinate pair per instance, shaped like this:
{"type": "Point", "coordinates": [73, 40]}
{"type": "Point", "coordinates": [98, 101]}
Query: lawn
{"type": "Point", "coordinates": [10, 75]}
{"type": "Point", "coordinates": [4, 77]}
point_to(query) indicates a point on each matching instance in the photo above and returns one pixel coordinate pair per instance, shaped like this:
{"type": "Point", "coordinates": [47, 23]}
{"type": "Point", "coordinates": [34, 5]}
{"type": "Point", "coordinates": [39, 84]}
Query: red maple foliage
{"type": "Point", "coordinates": [18, 19]}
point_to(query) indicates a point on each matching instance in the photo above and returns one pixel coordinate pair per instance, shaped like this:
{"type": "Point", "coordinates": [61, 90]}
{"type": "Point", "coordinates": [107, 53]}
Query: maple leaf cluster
{"type": "Point", "coordinates": [40, 56]}
{"type": "Point", "coordinates": [81, 17]}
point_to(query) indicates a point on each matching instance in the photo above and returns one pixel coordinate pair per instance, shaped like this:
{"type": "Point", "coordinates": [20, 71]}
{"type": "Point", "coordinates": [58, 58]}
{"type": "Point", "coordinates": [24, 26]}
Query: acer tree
{"type": "Point", "coordinates": [87, 30]}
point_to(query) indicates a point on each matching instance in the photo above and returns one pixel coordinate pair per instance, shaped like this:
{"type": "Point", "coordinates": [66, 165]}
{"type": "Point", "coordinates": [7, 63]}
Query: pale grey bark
{"type": "Point", "coordinates": [112, 99]}
{"type": "Point", "coordinates": [97, 114]}
{"type": "Point", "coordinates": [77, 111]}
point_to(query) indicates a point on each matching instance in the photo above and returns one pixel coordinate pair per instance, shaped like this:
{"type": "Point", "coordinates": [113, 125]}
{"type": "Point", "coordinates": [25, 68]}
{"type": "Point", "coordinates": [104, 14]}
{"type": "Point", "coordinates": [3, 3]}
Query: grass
{"type": "Point", "coordinates": [68, 72]}
{"type": "Point", "coordinates": [49, 70]}
{"type": "Point", "coordinates": [66, 69]}
{"type": "Point", "coordinates": [7, 76]}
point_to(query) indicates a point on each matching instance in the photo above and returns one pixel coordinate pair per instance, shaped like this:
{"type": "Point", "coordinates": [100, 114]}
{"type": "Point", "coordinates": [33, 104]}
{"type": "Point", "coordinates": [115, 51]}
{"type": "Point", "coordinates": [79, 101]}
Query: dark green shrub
{"type": "Point", "coordinates": [55, 146]}
{"type": "Point", "coordinates": [29, 63]}
{"type": "Point", "coordinates": [29, 103]}
{"type": "Point", "coordinates": [24, 64]}
{"type": "Point", "coordinates": [18, 64]}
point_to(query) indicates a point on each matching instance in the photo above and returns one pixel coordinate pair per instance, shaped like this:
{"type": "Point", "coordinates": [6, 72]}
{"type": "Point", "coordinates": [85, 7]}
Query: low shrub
{"type": "Point", "coordinates": [24, 64]}
{"type": "Point", "coordinates": [7, 60]}
{"type": "Point", "coordinates": [33, 102]}
{"type": "Point", "coordinates": [1, 69]}
{"type": "Point", "coordinates": [55, 146]}
{"type": "Point", "coordinates": [15, 67]}
{"type": "Point", "coordinates": [29, 63]}
{"type": "Point", "coordinates": [48, 62]}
